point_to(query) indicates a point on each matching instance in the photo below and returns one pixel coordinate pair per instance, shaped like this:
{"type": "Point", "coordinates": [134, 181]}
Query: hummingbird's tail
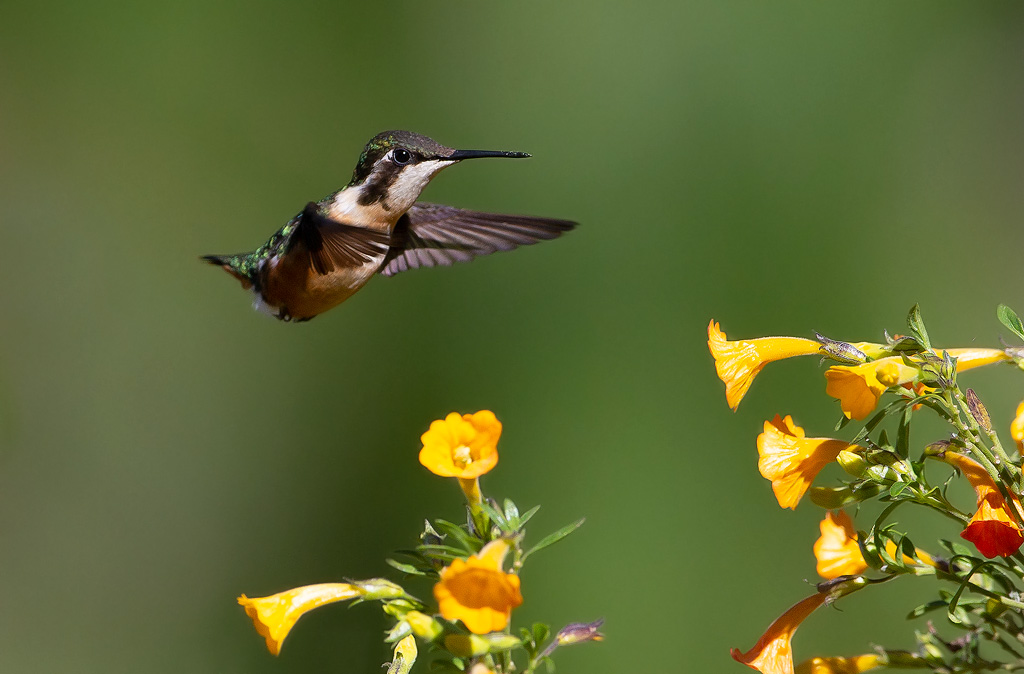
{"type": "Point", "coordinates": [232, 264]}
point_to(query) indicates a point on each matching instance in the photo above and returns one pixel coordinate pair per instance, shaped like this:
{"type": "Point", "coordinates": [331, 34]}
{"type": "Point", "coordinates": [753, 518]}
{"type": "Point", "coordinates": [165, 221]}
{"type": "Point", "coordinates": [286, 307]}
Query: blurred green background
{"type": "Point", "coordinates": [782, 167]}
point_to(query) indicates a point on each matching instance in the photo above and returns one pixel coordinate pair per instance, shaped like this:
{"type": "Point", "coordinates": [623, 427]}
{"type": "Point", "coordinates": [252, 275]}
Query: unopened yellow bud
{"type": "Point", "coordinates": [423, 626]}
{"type": "Point", "coordinates": [853, 463]}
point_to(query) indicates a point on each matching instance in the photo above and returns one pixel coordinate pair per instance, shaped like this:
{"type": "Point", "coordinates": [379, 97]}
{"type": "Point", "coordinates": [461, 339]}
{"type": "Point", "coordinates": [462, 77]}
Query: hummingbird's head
{"type": "Point", "coordinates": [395, 166]}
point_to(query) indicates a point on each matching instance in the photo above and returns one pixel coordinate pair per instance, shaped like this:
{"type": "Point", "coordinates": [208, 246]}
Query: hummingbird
{"type": "Point", "coordinates": [374, 225]}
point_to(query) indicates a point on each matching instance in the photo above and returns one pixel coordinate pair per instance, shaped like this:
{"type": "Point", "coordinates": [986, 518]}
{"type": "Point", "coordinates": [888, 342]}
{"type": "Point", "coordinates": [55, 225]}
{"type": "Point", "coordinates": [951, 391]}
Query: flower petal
{"type": "Point", "coordinates": [773, 652]}
{"type": "Point", "coordinates": [274, 616]}
{"type": "Point", "coordinates": [462, 446]}
{"type": "Point", "coordinates": [791, 461]}
{"type": "Point", "coordinates": [837, 551]}
{"type": "Point", "coordinates": [477, 592]}
{"type": "Point", "coordinates": [738, 362]}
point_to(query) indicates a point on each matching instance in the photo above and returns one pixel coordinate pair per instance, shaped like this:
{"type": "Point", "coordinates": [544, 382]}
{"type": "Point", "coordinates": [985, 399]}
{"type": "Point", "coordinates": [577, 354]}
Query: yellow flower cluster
{"type": "Point", "coordinates": [476, 591]}
{"type": "Point", "coordinates": [791, 461]}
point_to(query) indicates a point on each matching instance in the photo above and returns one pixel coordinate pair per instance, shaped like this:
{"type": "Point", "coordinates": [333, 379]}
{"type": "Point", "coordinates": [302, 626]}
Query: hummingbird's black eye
{"type": "Point", "coordinates": [401, 156]}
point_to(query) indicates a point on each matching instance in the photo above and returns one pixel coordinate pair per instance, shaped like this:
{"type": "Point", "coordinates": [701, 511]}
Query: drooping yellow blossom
{"type": "Point", "coordinates": [739, 361]}
{"type": "Point", "coordinates": [837, 551]}
{"type": "Point", "coordinates": [477, 591]}
{"type": "Point", "coordinates": [858, 387]}
{"type": "Point", "coordinates": [274, 616]}
{"type": "Point", "coordinates": [773, 653]}
{"type": "Point", "coordinates": [994, 530]}
{"type": "Point", "coordinates": [1017, 428]}
{"type": "Point", "coordinates": [791, 461]}
{"type": "Point", "coordinates": [461, 445]}
{"type": "Point", "coordinates": [854, 665]}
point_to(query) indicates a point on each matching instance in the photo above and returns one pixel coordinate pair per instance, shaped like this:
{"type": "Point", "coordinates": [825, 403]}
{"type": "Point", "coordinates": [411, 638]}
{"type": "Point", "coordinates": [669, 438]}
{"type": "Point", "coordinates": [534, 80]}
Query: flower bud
{"type": "Point", "coordinates": [398, 632]}
{"type": "Point", "coordinates": [575, 633]}
{"type": "Point", "coordinates": [853, 463]}
{"type": "Point", "coordinates": [379, 588]}
{"type": "Point", "coordinates": [473, 645]}
{"type": "Point", "coordinates": [424, 626]}
{"type": "Point", "coordinates": [978, 410]}
{"type": "Point", "coordinates": [844, 352]}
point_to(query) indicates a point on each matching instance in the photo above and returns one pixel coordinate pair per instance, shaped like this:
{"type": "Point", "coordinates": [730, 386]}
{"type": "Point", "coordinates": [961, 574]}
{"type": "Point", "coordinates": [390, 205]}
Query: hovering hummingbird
{"type": "Point", "coordinates": [323, 255]}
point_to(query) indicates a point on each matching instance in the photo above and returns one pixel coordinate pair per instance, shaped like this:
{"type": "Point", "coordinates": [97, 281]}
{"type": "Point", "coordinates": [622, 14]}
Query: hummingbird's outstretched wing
{"type": "Point", "coordinates": [333, 244]}
{"type": "Point", "coordinates": [431, 235]}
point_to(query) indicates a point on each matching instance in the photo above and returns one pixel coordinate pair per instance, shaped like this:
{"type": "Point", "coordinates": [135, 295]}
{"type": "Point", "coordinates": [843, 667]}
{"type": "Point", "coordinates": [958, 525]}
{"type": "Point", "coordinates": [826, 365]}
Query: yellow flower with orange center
{"type": "Point", "coordinates": [464, 446]}
{"type": "Point", "coordinates": [773, 653]}
{"type": "Point", "coordinates": [854, 665]}
{"type": "Point", "coordinates": [1017, 428]}
{"type": "Point", "coordinates": [461, 445]}
{"type": "Point", "coordinates": [837, 551]}
{"type": "Point", "coordinates": [274, 616]}
{"type": "Point", "coordinates": [859, 387]}
{"type": "Point", "coordinates": [792, 461]}
{"type": "Point", "coordinates": [739, 361]}
{"type": "Point", "coordinates": [477, 591]}
{"type": "Point", "coordinates": [993, 529]}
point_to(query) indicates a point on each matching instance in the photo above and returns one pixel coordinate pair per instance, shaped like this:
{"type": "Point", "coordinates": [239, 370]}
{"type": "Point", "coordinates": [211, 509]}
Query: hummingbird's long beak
{"type": "Point", "coordinates": [459, 155]}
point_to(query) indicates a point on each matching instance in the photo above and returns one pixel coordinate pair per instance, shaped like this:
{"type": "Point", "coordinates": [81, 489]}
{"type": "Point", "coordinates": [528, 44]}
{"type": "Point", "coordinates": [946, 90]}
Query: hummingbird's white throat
{"type": "Point", "coordinates": [404, 189]}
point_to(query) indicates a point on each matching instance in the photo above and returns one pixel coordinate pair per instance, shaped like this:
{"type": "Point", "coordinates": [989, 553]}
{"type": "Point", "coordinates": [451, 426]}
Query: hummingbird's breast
{"type": "Point", "coordinates": [293, 289]}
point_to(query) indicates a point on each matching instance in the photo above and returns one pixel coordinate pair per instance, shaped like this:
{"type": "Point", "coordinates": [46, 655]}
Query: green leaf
{"type": "Point", "coordinates": [511, 511]}
{"type": "Point", "coordinates": [457, 532]}
{"type": "Point", "coordinates": [903, 432]}
{"type": "Point", "coordinates": [555, 537]}
{"type": "Point", "coordinates": [831, 498]}
{"type": "Point", "coordinates": [897, 488]}
{"type": "Point", "coordinates": [445, 552]}
{"type": "Point", "coordinates": [494, 515]}
{"type": "Point", "coordinates": [916, 325]}
{"type": "Point", "coordinates": [878, 418]}
{"type": "Point", "coordinates": [841, 424]}
{"type": "Point", "coordinates": [527, 516]}
{"type": "Point", "coordinates": [919, 611]}
{"type": "Point", "coordinates": [907, 547]}
{"type": "Point", "coordinates": [1008, 317]}
{"type": "Point", "coordinates": [956, 549]}
{"type": "Point", "coordinates": [954, 612]}
{"type": "Point", "coordinates": [405, 568]}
